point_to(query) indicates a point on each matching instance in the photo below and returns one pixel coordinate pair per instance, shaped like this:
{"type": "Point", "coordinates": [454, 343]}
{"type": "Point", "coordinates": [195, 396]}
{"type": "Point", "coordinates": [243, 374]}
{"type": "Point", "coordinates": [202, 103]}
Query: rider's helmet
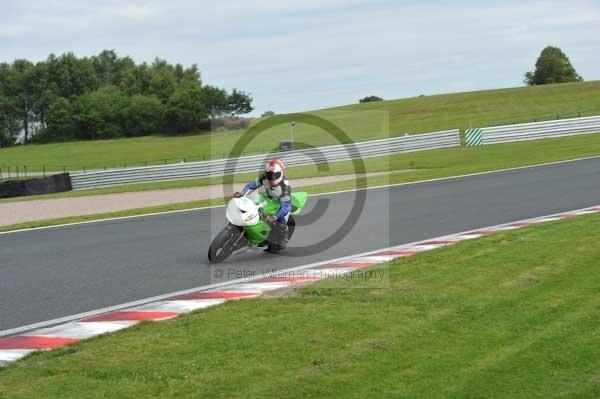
{"type": "Point", "coordinates": [274, 171]}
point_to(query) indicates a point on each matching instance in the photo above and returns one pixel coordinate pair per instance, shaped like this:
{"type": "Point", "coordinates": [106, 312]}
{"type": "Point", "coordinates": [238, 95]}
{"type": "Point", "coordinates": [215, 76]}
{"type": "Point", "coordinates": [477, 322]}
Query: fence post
{"type": "Point", "coordinates": [64, 169]}
{"type": "Point", "coordinates": [0, 174]}
{"type": "Point", "coordinates": [17, 170]}
{"type": "Point", "coordinates": [25, 170]}
{"type": "Point", "coordinates": [9, 172]}
{"type": "Point", "coordinates": [44, 169]}
{"type": "Point", "coordinates": [84, 169]}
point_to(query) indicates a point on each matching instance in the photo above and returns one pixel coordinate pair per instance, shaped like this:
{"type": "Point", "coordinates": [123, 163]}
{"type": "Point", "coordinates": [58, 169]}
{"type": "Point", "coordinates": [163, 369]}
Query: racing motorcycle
{"type": "Point", "coordinates": [247, 227]}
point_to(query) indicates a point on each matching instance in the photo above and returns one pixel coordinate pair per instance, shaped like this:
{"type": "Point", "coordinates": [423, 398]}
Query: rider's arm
{"type": "Point", "coordinates": [253, 185]}
{"type": "Point", "coordinates": [284, 208]}
{"type": "Point", "coordinates": [285, 202]}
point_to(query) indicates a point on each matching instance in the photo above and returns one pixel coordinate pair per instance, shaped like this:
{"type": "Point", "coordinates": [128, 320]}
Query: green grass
{"type": "Point", "coordinates": [360, 122]}
{"type": "Point", "coordinates": [514, 315]}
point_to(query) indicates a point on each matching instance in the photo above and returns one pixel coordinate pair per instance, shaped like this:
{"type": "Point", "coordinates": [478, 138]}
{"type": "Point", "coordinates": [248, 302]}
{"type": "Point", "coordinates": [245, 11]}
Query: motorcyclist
{"type": "Point", "coordinates": [278, 188]}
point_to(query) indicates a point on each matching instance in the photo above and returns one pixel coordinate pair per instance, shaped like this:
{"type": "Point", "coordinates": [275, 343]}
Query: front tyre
{"type": "Point", "coordinates": [224, 244]}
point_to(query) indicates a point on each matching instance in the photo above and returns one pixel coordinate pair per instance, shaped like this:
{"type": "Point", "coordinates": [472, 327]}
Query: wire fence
{"type": "Point", "coordinates": [17, 172]}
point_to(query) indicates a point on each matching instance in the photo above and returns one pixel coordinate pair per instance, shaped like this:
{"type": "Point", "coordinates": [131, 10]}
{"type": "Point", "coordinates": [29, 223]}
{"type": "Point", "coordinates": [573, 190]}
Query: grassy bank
{"type": "Point", "coordinates": [514, 315]}
{"type": "Point", "coordinates": [360, 122]}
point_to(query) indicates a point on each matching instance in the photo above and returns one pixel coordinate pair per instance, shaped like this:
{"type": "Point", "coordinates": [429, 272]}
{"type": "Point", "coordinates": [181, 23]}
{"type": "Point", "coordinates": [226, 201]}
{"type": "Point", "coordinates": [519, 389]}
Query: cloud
{"type": "Point", "coordinates": [304, 55]}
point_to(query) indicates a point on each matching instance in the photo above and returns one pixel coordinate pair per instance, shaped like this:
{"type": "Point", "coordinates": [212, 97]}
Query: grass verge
{"type": "Point", "coordinates": [514, 315]}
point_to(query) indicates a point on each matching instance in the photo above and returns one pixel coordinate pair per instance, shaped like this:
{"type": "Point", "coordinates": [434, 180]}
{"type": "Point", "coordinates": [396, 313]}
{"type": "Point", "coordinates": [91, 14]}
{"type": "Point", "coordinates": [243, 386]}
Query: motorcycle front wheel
{"type": "Point", "coordinates": [223, 245]}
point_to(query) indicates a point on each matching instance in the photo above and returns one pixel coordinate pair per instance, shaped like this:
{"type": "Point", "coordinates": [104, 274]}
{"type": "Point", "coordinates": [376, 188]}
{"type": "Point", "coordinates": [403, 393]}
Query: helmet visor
{"type": "Point", "coordinates": [273, 175]}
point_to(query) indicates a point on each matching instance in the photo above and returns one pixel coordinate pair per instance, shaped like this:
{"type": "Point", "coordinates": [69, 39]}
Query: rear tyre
{"type": "Point", "coordinates": [223, 245]}
{"type": "Point", "coordinates": [291, 226]}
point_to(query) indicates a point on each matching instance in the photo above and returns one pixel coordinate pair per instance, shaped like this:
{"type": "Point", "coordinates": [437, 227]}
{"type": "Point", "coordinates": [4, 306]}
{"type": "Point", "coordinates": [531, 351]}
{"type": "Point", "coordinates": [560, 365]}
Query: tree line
{"type": "Point", "coordinates": [106, 96]}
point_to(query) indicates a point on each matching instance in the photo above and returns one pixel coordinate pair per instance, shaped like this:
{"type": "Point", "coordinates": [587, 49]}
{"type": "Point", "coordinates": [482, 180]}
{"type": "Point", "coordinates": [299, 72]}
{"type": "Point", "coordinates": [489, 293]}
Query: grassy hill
{"type": "Point", "coordinates": [359, 121]}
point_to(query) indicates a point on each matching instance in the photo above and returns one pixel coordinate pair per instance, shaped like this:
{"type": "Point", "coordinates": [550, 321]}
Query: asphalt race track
{"type": "Point", "coordinates": [46, 274]}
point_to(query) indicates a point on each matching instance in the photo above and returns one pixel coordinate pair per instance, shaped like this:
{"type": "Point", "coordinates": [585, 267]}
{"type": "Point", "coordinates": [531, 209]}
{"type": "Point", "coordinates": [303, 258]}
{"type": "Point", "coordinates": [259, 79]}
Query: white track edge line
{"type": "Point", "coordinates": [312, 195]}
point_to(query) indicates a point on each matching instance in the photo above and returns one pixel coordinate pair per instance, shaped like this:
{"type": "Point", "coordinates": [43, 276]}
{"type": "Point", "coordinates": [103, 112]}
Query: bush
{"type": "Point", "coordinates": [236, 123]}
{"type": "Point", "coordinates": [369, 99]}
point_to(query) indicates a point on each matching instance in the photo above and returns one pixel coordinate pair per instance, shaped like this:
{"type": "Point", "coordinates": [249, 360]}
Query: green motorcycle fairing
{"type": "Point", "coordinates": [258, 233]}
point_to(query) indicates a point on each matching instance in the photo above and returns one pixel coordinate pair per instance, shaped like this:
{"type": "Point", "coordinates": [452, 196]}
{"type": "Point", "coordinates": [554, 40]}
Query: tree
{"type": "Point", "coordinates": [552, 66]}
{"type": "Point", "coordinates": [215, 101]}
{"type": "Point", "coordinates": [267, 114]}
{"type": "Point", "coordinates": [71, 76]}
{"type": "Point", "coordinates": [101, 114]}
{"type": "Point", "coordinates": [239, 103]}
{"type": "Point", "coordinates": [186, 109]}
{"type": "Point", "coordinates": [60, 122]}
{"type": "Point", "coordinates": [163, 80]}
{"type": "Point", "coordinates": [144, 115]}
{"type": "Point", "coordinates": [369, 99]}
{"type": "Point", "coordinates": [23, 94]}
{"type": "Point", "coordinates": [9, 124]}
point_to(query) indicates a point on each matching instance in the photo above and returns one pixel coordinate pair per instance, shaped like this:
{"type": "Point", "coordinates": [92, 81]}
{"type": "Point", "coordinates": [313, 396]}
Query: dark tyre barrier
{"type": "Point", "coordinates": [47, 185]}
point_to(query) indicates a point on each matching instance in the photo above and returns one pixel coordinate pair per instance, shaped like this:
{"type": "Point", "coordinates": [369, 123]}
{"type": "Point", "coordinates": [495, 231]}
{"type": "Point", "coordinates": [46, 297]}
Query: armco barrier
{"type": "Point", "coordinates": [541, 130]}
{"type": "Point", "coordinates": [221, 167]}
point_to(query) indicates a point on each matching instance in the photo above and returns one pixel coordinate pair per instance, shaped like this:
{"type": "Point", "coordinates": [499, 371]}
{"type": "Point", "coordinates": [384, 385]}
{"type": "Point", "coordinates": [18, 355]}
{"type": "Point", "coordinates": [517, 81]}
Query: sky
{"type": "Point", "coordinates": [295, 56]}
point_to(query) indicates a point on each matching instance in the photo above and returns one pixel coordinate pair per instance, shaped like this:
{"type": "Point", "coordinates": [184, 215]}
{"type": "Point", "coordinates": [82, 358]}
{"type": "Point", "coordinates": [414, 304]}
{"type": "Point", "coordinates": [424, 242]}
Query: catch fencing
{"type": "Point", "coordinates": [540, 130]}
{"type": "Point", "coordinates": [223, 167]}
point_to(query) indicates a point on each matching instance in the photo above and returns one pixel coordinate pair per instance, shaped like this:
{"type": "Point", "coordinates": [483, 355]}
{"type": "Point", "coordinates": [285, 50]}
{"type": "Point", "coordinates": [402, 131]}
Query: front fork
{"type": "Point", "coordinates": [239, 238]}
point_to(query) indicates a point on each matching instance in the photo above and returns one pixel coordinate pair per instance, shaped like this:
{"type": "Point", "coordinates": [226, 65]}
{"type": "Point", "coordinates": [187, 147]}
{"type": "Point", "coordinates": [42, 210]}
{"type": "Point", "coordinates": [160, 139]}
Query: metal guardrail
{"type": "Point", "coordinates": [541, 130]}
{"type": "Point", "coordinates": [222, 167]}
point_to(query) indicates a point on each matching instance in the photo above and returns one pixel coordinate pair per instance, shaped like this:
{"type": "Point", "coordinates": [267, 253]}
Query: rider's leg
{"type": "Point", "coordinates": [283, 233]}
{"type": "Point", "coordinates": [279, 236]}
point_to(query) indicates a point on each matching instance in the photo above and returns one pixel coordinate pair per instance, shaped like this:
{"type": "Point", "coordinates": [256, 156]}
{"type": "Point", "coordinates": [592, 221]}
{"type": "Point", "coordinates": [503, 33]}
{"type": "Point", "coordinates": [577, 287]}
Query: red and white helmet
{"type": "Point", "coordinates": [274, 171]}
